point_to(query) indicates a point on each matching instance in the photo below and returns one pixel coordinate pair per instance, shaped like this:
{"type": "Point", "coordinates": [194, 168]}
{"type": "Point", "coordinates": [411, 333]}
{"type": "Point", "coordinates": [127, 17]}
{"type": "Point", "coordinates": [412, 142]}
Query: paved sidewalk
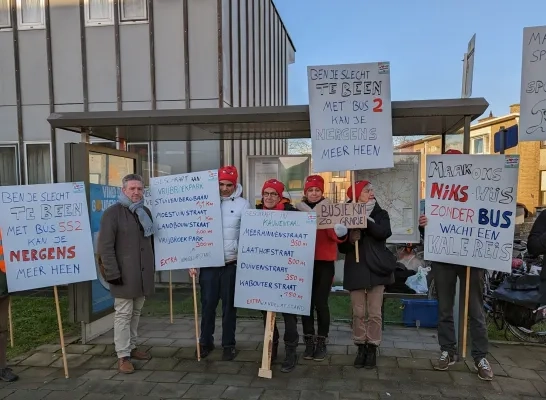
{"type": "Point", "coordinates": [405, 370]}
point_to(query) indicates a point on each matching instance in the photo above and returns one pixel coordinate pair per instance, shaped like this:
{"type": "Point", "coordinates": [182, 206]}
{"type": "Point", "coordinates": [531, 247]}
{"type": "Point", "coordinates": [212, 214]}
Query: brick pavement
{"type": "Point", "coordinates": [405, 370]}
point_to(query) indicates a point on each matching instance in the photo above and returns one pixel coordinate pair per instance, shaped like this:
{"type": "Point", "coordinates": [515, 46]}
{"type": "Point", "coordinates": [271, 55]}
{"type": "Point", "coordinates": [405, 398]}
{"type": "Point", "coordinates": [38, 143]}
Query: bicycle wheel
{"type": "Point", "coordinates": [527, 335]}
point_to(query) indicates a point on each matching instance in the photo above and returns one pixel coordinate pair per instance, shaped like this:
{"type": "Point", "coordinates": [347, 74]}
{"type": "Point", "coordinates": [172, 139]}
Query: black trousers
{"type": "Point", "coordinates": [291, 335]}
{"type": "Point", "coordinates": [323, 275]}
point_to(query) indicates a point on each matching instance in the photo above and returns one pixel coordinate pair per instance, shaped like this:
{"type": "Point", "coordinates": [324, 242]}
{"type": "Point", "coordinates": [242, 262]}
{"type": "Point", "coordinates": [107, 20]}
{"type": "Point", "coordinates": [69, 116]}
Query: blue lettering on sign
{"type": "Point", "coordinates": [65, 269]}
{"type": "Point", "coordinates": [366, 150]}
{"type": "Point", "coordinates": [17, 230]}
{"type": "Point", "coordinates": [335, 152]}
{"type": "Point", "coordinates": [493, 217]}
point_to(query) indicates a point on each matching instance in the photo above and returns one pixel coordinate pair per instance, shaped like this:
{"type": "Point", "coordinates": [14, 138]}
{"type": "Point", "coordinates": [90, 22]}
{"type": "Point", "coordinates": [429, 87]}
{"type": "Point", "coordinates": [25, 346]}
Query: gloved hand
{"type": "Point", "coordinates": [116, 281]}
{"type": "Point", "coordinates": [340, 230]}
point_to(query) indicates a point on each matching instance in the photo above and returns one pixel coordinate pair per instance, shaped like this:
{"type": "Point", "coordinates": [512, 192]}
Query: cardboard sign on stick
{"type": "Point", "coordinates": [352, 215]}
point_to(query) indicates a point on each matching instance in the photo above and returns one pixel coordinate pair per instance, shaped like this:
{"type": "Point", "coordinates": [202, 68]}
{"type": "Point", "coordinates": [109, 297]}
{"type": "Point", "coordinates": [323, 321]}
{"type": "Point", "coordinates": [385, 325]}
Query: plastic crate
{"type": "Point", "coordinates": [420, 313]}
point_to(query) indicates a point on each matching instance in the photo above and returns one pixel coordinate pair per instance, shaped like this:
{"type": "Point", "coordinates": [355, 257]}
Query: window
{"type": "Point", "coordinates": [38, 157]}
{"type": "Point", "coordinates": [133, 10]}
{"type": "Point", "coordinates": [143, 150]}
{"type": "Point", "coordinates": [5, 14]}
{"type": "Point", "coordinates": [338, 174]}
{"type": "Point", "coordinates": [480, 145]}
{"type": "Point", "coordinates": [99, 12]}
{"type": "Point", "coordinates": [105, 143]}
{"type": "Point", "coordinates": [30, 14]}
{"type": "Point", "coordinates": [8, 165]}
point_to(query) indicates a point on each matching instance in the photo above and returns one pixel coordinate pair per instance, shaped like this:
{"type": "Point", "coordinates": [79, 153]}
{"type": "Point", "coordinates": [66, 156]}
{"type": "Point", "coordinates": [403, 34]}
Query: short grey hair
{"type": "Point", "coordinates": [132, 177]}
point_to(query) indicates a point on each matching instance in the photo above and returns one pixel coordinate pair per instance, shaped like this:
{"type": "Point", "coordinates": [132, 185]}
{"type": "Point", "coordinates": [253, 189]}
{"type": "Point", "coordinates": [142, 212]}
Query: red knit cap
{"type": "Point", "coordinates": [359, 185]}
{"type": "Point", "coordinates": [228, 173]}
{"type": "Point", "coordinates": [314, 181]}
{"type": "Point", "coordinates": [453, 151]}
{"type": "Point", "coordinates": [274, 184]}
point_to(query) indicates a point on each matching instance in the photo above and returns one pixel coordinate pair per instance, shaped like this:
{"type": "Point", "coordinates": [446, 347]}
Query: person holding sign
{"type": "Point", "coordinates": [323, 272]}
{"type": "Point", "coordinates": [219, 282]}
{"type": "Point", "coordinates": [367, 278]}
{"type": "Point", "coordinates": [272, 199]}
{"type": "Point", "coordinates": [445, 278]}
{"type": "Point", "coordinates": [6, 374]}
{"type": "Point", "coordinates": [125, 247]}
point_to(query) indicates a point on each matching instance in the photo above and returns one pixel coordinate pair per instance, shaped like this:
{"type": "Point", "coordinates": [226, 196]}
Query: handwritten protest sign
{"type": "Point", "coordinates": [352, 215]}
{"type": "Point", "coordinates": [350, 115]}
{"type": "Point", "coordinates": [187, 220]}
{"type": "Point", "coordinates": [532, 123]}
{"type": "Point", "coordinates": [275, 261]}
{"type": "Point", "coordinates": [471, 210]}
{"type": "Point", "coordinates": [46, 235]}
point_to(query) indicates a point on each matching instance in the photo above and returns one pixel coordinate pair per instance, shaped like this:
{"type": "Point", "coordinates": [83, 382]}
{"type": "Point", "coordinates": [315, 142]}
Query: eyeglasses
{"type": "Point", "coordinates": [270, 194]}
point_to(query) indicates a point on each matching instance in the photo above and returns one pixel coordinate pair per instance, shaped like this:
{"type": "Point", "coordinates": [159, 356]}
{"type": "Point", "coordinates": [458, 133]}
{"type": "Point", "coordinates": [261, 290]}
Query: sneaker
{"type": "Point", "coordinates": [140, 355]}
{"type": "Point", "coordinates": [360, 359]}
{"type": "Point", "coordinates": [485, 372]}
{"type": "Point", "coordinates": [125, 366]}
{"type": "Point", "coordinates": [445, 361]}
{"type": "Point", "coordinates": [229, 354]}
{"type": "Point", "coordinates": [320, 349]}
{"type": "Point", "coordinates": [309, 347]}
{"type": "Point", "coordinates": [7, 375]}
{"type": "Point", "coordinates": [204, 351]}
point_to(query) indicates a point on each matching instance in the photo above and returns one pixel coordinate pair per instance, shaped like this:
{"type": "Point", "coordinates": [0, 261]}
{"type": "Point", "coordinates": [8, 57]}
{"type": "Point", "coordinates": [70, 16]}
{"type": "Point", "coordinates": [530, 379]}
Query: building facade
{"type": "Point", "coordinates": [532, 170]}
{"type": "Point", "coordinates": [113, 55]}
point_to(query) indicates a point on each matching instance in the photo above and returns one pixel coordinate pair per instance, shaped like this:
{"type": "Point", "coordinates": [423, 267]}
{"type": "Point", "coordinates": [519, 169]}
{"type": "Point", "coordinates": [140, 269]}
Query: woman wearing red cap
{"type": "Point", "coordinates": [366, 279]}
{"type": "Point", "coordinates": [272, 199]}
{"type": "Point", "coordinates": [323, 273]}
{"type": "Point", "coordinates": [218, 282]}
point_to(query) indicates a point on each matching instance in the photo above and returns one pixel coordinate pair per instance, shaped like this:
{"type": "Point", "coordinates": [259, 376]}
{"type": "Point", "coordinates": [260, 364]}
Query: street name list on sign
{"type": "Point", "coordinates": [352, 215]}
{"type": "Point", "coordinates": [350, 115]}
{"type": "Point", "coordinates": [188, 221]}
{"type": "Point", "coordinates": [46, 235]}
{"type": "Point", "coordinates": [532, 120]}
{"type": "Point", "coordinates": [471, 209]}
{"type": "Point", "coordinates": [275, 261]}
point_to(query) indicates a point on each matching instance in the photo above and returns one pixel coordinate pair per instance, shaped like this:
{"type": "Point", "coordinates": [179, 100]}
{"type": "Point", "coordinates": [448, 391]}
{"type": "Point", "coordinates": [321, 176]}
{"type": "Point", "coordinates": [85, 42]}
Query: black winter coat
{"type": "Point", "coordinates": [377, 263]}
{"type": "Point", "coordinates": [536, 245]}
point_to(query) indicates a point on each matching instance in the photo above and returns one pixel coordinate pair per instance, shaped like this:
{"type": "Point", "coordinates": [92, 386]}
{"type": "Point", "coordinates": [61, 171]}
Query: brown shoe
{"type": "Point", "coordinates": [485, 372]}
{"type": "Point", "coordinates": [445, 361]}
{"type": "Point", "coordinates": [139, 355]}
{"type": "Point", "coordinates": [125, 366]}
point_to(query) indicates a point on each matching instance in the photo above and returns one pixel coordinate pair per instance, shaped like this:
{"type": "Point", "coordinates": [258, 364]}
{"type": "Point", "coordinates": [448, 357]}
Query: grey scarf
{"type": "Point", "coordinates": [138, 209]}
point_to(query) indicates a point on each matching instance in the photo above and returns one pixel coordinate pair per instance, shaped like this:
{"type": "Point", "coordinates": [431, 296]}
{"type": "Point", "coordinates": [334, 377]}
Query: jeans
{"type": "Point", "coordinates": [291, 335]}
{"type": "Point", "coordinates": [323, 275]}
{"type": "Point", "coordinates": [4, 329]}
{"type": "Point", "coordinates": [126, 318]}
{"type": "Point", "coordinates": [218, 283]}
{"type": "Point", "coordinates": [367, 319]}
{"type": "Point", "coordinates": [445, 279]}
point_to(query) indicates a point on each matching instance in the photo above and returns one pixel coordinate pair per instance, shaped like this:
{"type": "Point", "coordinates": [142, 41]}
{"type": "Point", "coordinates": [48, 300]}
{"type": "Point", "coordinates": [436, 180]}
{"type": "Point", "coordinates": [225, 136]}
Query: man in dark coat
{"type": "Point", "coordinates": [125, 247]}
{"type": "Point", "coordinates": [366, 279]}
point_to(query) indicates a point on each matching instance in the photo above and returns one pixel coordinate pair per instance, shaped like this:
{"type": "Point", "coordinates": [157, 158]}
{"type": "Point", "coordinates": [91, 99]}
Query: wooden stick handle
{"type": "Point", "coordinates": [61, 333]}
{"type": "Point", "coordinates": [265, 370]}
{"type": "Point", "coordinates": [10, 323]}
{"type": "Point", "coordinates": [465, 319]}
{"type": "Point", "coordinates": [357, 254]}
{"type": "Point", "coordinates": [171, 295]}
{"type": "Point", "coordinates": [196, 319]}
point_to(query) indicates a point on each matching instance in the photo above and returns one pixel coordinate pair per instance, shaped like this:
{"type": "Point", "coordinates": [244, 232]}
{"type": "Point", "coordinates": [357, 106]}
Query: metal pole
{"type": "Point", "coordinates": [458, 316]}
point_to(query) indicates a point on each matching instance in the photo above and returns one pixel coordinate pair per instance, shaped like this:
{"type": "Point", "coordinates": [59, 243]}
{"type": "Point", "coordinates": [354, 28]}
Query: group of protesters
{"type": "Point", "coordinates": [125, 226]}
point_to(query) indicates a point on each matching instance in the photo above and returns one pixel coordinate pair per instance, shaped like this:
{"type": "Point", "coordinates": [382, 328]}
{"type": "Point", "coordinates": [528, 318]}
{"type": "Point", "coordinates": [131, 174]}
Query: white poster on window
{"type": "Point", "coordinates": [275, 261]}
{"type": "Point", "coordinates": [532, 122]}
{"type": "Point", "coordinates": [46, 236]}
{"type": "Point", "coordinates": [187, 220]}
{"type": "Point", "coordinates": [471, 210]}
{"type": "Point", "coordinates": [350, 116]}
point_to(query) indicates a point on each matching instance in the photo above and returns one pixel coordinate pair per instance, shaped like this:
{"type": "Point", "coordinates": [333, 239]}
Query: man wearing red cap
{"type": "Point", "coordinates": [367, 278]}
{"type": "Point", "coordinates": [219, 282]}
{"type": "Point", "coordinates": [445, 279]}
{"type": "Point", "coordinates": [272, 199]}
{"type": "Point", "coordinates": [323, 272]}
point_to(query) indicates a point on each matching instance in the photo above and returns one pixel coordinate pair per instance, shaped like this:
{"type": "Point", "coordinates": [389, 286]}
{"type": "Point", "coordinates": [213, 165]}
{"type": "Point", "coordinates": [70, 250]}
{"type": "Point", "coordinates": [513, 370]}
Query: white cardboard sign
{"type": "Point", "coordinates": [351, 117]}
{"type": "Point", "coordinates": [471, 210]}
{"type": "Point", "coordinates": [187, 220]}
{"type": "Point", "coordinates": [532, 122]}
{"type": "Point", "coordinates": [46, 235]}
{"type": "Point", "coordinates": [275, 261]}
